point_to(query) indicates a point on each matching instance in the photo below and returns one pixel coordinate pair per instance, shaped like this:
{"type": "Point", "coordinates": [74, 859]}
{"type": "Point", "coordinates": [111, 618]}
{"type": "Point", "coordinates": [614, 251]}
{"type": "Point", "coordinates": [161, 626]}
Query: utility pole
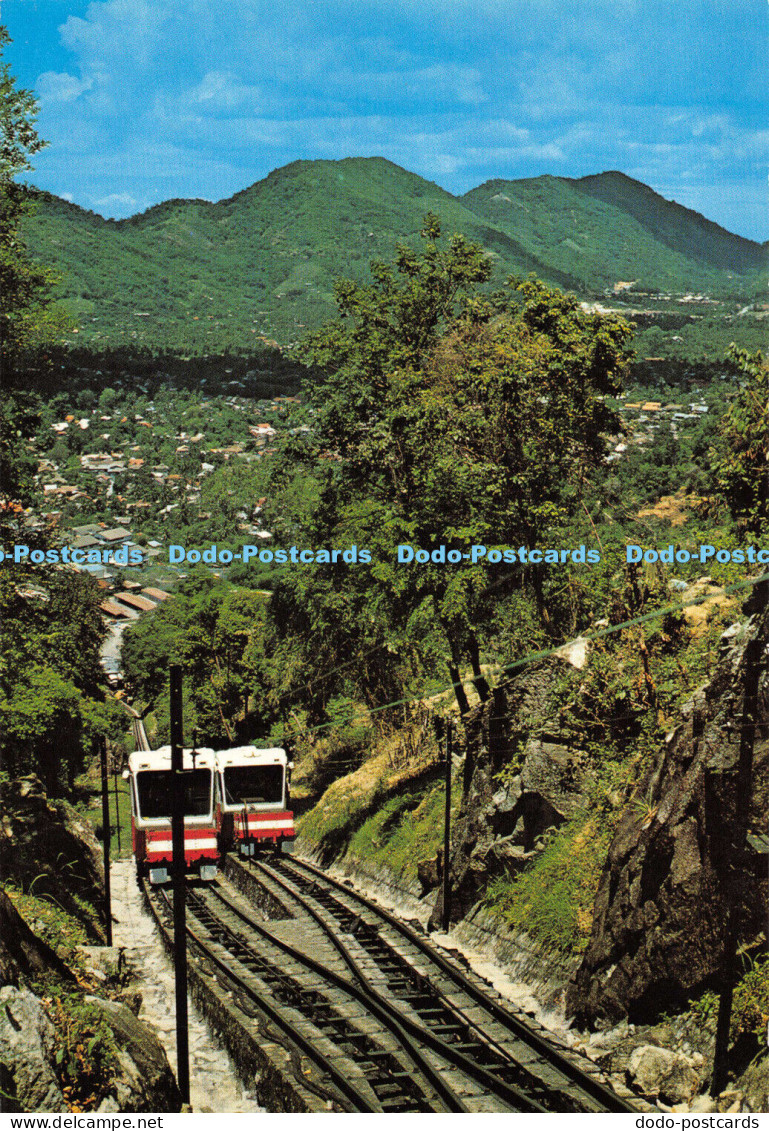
{"type": "Point", "coordinates": [180, 916]}
{"type": "Point", "coordinates": [446, 908]}
{"type": "Point", "coordinates": [735, 864]}
{"type": "Point", "coordinates": [117, 810]}
{"type": "Point", "coordinates": [105, 823]}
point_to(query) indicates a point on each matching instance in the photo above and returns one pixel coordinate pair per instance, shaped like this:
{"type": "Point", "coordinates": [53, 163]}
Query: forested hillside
{"type": "Point", "coordinates": [609, 228]}
{"type": "Point", "coordinates": [192, 275]}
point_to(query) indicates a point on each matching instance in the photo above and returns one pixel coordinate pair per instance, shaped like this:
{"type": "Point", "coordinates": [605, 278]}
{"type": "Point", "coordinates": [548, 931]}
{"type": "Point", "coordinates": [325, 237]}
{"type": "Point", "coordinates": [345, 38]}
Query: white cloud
{"type": "Point", "coordinates": [221, 90]}
{"type": "Point", "coordinates": [116, 203]}
{"type": "Point", "coordinates": [53, 86]}
{"type": "Point", "coordinates": [190, 97]}
{"type": "Point", "coordinates": [117, 30]}
{"type": "Point", "coordinates": [439, 82]}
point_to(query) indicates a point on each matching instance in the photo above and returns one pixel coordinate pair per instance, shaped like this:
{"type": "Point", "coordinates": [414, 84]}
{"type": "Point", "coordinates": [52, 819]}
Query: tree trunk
{"type": "Point", "coordinates": [479, 680]}
{"type": "Point", "coordinates": [459, 690]}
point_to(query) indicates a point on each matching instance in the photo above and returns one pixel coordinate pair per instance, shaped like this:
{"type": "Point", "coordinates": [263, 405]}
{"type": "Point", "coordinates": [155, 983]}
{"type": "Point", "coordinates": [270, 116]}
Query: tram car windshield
{"type": "Point", "coordinates": [252, 799]}
{"type": "Point", "coordinates": [153, 788]}
{"type": "Point", "coordinates": [151, 779]}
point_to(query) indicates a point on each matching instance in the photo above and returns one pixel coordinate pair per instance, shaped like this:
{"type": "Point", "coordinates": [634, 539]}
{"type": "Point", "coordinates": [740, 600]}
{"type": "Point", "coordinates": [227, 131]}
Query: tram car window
{"type": "Point", "coordinates": [252, 800]}
{"type": "Point", "coordinates": [151, 779]}
{"type": "Point", "coordinates": [254, 785]}
{"type": "Point", "coordinates": [155, 787]}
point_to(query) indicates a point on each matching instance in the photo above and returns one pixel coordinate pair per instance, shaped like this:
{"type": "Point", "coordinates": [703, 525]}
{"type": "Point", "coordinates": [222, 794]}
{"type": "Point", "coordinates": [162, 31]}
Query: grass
{"type": "Point", "coordinates": [407, 828]}
{"type": "Point", "coordinates": [345, 804]}
{"type": "Point", "coordinates": [43, 915]}
{"type": "Point", "coordinates": [378, 808]}
{"type": "Point", "coordinates": [120, 818]}
{"type": "Point", "coordinates": [552, 901]}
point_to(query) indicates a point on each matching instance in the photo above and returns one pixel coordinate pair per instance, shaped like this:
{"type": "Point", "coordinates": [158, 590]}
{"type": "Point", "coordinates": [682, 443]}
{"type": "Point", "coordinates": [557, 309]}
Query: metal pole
{"type": "Point", "coordinates": [117, 812]}
{"type": "Point", "coordinates": [446, 908]}
{"type": "Point", "coordinates": [106, 838]}
{"type": "Point", "coordinates": [180, 924]}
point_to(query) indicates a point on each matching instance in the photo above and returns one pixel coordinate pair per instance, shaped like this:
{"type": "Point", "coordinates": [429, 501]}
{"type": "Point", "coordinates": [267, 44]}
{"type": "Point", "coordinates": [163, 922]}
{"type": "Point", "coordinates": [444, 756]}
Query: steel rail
{"type": "Point", "coordinates": [338, 1079]}
{"type": "Point", "coordinates": [592, 1087]}
{"type": "Point", "coordinates": [371, 1000]}
{"type": "Point", "coordinates": [518, 1099]}
{"type": "Point", "coordinates": [286, 980]}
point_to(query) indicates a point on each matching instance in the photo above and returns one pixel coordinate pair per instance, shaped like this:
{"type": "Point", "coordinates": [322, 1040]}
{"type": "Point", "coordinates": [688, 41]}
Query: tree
{"type": "Point", "coordinates": [741, 462]}
{"type": "Point", "coordinates": [29, 318]}
{"type": "Point", "coordinates": [445, 417]}
{"type": "Point", "coordinates": [21, 282]}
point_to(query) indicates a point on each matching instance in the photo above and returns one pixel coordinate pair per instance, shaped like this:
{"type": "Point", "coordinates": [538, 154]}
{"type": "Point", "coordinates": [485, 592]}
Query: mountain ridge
{"type": "Point", "coordinates": [262, 261]}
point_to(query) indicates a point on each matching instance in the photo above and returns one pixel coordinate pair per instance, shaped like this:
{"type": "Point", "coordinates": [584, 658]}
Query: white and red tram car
{"type": "Point", "coordinates": [150, 776]}
{"type": "Point", "coordinates": [252, 800]}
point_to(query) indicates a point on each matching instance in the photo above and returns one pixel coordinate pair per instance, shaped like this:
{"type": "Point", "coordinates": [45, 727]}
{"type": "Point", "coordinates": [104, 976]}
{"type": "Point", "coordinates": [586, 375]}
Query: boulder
{"type": "Point", "coordinates": [754, 1083]}
{"type": "Point", "coordinates": [702, 1104]}
{"type": "Point", "coordinates": [27, 1049]}
{"type": "Point", "coordinates": [499, 826]}
{"type": "Point", "coordinates": [730, 1100]}
{"type": "Point", "coordinates": [663, 1074]}
{"type": "Point", "coordinates": [145, 1081]}
{"type": "Point", "coordinates": [429, 873]}
{"type": "Point", "coordinates": [104, 963]}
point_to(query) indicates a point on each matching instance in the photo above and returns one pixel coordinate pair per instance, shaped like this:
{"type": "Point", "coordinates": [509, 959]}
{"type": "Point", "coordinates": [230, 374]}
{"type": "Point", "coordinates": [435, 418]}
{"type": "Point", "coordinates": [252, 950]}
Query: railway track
{"type": "Point", "coordinates": [362, 1067]}
{"type": "Point", "coordinates": [141, 742]}
{"type": "Point", "coordinates": [459, 1019]}
{"type": "Point", "coordinates": [386, 1021]}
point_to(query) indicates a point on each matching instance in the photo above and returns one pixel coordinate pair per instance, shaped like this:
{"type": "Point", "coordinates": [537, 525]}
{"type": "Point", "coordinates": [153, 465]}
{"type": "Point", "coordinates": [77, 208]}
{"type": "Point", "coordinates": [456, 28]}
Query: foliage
{"type": "Point", "coordinates": [62, 931]}
{"type": "Point", "coordinates": [448, 419]}
{"type": "Point", "coordinates": [750, 1004]}
{"type": "Point", "coordinates": [217, 632]}
{"type": "Point", "coordinates": [26, 318]}
{"type": "Point", "coordinates": [19, 418]}
{"type": "Point", "coordinates": [742, 460]}
{"type": "Point", "coordinates": [51, 683]}
{"type": "Point", "coordinates": [552, 901]}
{"type": "Point", "coordinates": [87, 1056]}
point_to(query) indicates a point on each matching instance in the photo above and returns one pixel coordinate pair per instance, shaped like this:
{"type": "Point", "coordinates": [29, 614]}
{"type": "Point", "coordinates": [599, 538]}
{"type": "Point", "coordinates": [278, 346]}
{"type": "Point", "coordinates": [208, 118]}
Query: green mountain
{"type": "Point", "coordinates": [192, 275]}
{"type": "Point", "coordinates": [611, 228]}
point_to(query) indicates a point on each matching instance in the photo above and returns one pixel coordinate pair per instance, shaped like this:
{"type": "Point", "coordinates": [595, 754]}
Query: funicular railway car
{"type": "Point", "coordinates": [252, 800]}
{"type": "Point", "coordinates": [150, 776]}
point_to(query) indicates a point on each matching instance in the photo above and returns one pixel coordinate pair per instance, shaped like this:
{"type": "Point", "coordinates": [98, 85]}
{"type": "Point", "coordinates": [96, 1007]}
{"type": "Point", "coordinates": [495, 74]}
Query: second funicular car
{"type": "Point", "coordinates": [253, 805]}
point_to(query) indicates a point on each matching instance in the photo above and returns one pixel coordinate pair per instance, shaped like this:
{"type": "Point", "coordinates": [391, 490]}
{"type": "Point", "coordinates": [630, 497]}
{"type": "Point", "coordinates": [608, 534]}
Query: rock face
{"type": "Point", "coordinates": [662, 909]}
{"type": "Point", "coordinates": [755, 1083]}
{"type": "Point", "coordinates": [145, 1081]}
{"type": "Point", "coordinates": [46, 847]}
{"type": "Point", "coordinates": [22, 954]}
{"type": "Point", "coordinates": [27, 1048]}
{"type": "Point", "coordinates": [499, 827]}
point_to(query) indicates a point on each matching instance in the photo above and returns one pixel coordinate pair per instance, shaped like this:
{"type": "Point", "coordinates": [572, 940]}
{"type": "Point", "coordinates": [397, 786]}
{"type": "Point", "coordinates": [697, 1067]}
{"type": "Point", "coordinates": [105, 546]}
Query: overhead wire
{"type": "Point", "coordinates": [534, 657]}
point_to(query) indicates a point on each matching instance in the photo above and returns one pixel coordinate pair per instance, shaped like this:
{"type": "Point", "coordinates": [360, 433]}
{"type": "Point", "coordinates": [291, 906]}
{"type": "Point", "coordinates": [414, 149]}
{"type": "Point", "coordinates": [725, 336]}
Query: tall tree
{"type": "Point", "coordinates": [742, 463]}
{"type": "Point", "coordinates": [446, 418]}
{"type": "Point", "coordinates": [22, 282]}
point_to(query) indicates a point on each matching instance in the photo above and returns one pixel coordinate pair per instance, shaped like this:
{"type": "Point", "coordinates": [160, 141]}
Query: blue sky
{"type": "Point", "coordinates": [143, 100]}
